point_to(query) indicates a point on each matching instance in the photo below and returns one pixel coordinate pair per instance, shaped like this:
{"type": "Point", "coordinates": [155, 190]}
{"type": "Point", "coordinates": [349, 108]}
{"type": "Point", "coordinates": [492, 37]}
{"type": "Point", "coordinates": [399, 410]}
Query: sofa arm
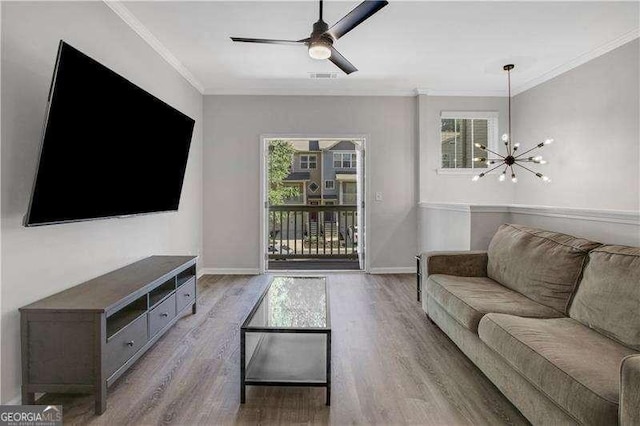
{"type": "Point", "coordinates": [459, 263]}
{"type": "Point", "coordinates": [630, 390]}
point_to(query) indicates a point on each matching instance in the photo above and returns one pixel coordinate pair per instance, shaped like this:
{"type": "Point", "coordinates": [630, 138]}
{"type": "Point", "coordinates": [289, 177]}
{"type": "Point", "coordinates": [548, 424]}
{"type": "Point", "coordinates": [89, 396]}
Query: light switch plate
{"type": "Point", "coordinates": [378, 196]}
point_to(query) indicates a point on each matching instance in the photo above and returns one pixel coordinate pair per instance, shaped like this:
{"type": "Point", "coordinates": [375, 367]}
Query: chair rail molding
{"type": "Point", "coordinates": [471, 226]}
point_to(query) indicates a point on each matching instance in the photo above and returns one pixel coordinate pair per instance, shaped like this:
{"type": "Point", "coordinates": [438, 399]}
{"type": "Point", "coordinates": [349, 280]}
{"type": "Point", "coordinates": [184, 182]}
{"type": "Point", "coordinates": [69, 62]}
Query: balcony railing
{"type": "Point", "coordinates": [313, 232]}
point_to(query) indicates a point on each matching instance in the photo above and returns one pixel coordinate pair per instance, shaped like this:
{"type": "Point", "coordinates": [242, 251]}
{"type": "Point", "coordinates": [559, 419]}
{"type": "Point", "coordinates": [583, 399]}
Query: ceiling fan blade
{"type": "Point", "coordinates": [354, 18]}
{"type": "Point", "coordinates": [341, 62]}
{"type": "Point", "coordinates": [268, 41]}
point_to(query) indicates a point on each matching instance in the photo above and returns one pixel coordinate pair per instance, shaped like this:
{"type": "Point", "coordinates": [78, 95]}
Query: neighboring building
{"type": "Point", "coordinates": [325, 172]}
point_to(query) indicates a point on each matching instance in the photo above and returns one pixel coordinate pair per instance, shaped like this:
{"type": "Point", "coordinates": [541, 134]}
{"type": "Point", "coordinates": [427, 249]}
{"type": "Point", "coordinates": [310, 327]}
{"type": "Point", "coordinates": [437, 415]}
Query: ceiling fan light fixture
{"type": "Point", "coordinates": [319, 49]}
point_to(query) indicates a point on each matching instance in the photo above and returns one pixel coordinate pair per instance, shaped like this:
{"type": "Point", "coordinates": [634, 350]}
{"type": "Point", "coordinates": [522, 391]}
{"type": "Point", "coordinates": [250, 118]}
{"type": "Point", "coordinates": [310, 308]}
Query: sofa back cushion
{"type": "Point", "coordinates": [608, 297]}
{"type": "Point", "coordinates": [545, 266]}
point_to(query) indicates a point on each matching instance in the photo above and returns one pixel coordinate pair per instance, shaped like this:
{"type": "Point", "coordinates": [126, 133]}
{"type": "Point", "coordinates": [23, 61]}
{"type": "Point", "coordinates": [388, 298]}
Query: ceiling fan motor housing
{"type": "Point", "coordinates": [319, 34]}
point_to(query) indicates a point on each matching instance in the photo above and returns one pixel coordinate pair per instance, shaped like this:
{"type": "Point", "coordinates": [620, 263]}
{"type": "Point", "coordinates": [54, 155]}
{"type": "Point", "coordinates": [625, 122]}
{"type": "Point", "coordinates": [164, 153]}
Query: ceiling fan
{"type": "Point", "coordinates": [320, 42]}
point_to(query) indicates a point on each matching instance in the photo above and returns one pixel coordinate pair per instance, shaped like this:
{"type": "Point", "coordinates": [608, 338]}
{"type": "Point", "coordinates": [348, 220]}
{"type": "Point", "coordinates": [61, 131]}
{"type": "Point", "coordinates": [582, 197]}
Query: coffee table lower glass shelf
{"type": "Point", "coordinates": [286, 338]}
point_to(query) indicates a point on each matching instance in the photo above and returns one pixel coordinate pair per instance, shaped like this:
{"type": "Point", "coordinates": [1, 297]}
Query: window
{"type": "Point", "coordinates": [308, 161]}
{"type": "Point", "coordinates": [329, 184]}
{"type": "Point", "coordinates": [344, 160]}
{"type": "Point", "coordinates": [459, 133]}
{"type": "Point", "coordinates": [349, 192]}
{"type": "Point", "coordinates": [313, 187]}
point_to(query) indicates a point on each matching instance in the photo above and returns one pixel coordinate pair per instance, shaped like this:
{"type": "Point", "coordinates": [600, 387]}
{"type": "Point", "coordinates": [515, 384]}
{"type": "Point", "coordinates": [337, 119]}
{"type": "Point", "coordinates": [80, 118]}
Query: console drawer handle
{"type": "Point", "coordinates": [187, 295]}
{"type": "Point", "coordinates": [164, 314]}
{"type": "Point", "coordinates": [130, 343]}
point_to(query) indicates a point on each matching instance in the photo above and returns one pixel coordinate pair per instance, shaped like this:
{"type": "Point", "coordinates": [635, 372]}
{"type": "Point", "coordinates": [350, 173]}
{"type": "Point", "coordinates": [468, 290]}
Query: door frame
{"type": "Point", "coordinates": [264, 140]}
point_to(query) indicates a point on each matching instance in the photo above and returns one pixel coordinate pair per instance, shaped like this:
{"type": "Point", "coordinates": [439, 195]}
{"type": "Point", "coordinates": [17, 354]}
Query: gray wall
{"type": "Point", "coordinates": [233, 125]}
{"type": "Point", "coordinates": [593, 113]}
{"type": "Point", "coordinates": [37, 262]}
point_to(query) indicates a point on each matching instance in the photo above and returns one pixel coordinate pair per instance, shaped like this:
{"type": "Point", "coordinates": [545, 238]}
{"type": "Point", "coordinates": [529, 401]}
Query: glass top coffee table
{"type": "Point", "coordinates": [286, 338]}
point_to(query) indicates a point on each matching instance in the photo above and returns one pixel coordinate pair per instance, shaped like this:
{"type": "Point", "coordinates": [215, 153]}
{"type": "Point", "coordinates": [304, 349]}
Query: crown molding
{"type": "Point", "coordinates": [306, 92]}
{"type": "Point", "coordinates": [579, 60]}
{"type": "Point", "coordinates": [125, 14]}
{"type": "Point", "coordinates": [462, 93]}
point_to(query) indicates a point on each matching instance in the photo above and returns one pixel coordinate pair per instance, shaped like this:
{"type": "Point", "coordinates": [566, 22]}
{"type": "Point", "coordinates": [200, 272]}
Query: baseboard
{"type": "Point", "coordinates": [394, 270]}
{"type": "Point", "coordinates": [229, 271]}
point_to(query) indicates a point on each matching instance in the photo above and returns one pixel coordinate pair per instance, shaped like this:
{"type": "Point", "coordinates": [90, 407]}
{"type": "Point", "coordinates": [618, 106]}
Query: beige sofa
{"type": "Point", "coordinates": [552, 320]}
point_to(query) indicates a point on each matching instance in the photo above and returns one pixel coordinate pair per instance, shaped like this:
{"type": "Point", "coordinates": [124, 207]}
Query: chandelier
{"type": "Point", "coordinates": [507, 162]}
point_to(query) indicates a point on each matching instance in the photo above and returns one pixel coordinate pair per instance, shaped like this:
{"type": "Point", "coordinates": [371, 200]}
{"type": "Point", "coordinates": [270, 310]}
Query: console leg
{"type": "Point", "coordinates": [101, 398]}
{"type": "Point", "coordinates": [194, 308]}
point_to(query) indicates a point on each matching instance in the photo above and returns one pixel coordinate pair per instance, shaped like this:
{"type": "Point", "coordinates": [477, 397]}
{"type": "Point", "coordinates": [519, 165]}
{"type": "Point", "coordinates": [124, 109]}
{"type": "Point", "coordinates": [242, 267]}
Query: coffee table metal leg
{"type": "Point", "coordinates": [328, 402]}
{"type": "Point", "coordinates": [242, 372]}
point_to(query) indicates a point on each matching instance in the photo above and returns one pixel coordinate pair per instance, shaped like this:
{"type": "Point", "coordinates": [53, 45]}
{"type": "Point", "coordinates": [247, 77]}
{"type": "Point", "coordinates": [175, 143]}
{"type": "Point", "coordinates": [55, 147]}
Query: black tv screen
{"type": "Point", "coordinates": [109, 147]}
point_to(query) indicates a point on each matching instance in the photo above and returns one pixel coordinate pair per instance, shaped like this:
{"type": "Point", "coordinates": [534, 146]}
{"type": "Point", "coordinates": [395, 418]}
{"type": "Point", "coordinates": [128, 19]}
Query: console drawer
{"type": "Point", "coordinates": [186, 294]}
{"type": "Point", "coordinates": [161, 315]}
{"type": "Point", "coordinates": [124, 344]}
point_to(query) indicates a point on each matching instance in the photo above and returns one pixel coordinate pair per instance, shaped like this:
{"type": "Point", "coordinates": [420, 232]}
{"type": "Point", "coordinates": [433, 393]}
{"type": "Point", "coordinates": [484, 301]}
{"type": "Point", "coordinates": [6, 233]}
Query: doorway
{"type": "Point", "coordinates": [313, 192]}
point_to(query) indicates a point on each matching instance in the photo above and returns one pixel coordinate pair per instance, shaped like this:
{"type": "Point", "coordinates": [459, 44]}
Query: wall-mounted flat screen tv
{"type": "Point", "coordinates": [109, 147]}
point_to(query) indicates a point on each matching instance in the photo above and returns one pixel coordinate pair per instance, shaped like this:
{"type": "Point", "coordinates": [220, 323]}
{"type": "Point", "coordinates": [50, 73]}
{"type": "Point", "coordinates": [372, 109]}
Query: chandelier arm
{"type": "Point", "coordinates": [512, 172]}
{"type": "Point", "coordinates": [528, 151]}
{"type": "Point", "coordinates": [526, 168]}
{"type": "Point", "coordinates": [493, 152]}
{"type": "Point", "coordinates": [490, 170]}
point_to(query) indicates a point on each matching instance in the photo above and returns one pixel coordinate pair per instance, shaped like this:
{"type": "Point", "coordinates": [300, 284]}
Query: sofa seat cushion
{"type": "Point", "coordinates": [467, 299]}
{"type": "Point", "coordinates": [576, 367]}
{"type": "Point", "coordinates": [545, 266]}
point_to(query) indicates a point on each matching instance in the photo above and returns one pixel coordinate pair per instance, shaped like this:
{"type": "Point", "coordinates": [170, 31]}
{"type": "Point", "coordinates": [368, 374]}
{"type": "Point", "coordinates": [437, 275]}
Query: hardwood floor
{"type": "Point", "coordinates": [390, 366]}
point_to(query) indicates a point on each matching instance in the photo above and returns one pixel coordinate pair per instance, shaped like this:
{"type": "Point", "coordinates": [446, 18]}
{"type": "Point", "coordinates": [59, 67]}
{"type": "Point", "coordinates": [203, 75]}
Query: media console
{"type": "Point", "coordinates": [83, 339]}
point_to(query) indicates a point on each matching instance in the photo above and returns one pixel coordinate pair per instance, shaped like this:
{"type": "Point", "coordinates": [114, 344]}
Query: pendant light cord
{"type": "Point", "coordinates": [509, 88]}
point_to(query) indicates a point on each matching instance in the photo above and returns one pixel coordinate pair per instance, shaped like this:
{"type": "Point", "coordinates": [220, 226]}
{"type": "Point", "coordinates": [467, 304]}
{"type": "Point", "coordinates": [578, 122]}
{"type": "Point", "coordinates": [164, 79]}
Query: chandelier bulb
{"type": "Point", "coordinates": [514, 179]}
{"type": "Point", "coordinates": [505, 137]}
{"type": "Point", "coordinates": [543, 161]}
{"type": "Point", "coordinates": [475, 178]}
{"type": "Point", "coordinates": [548, 141]}
{"type": "Point", "coordinates": [502, 177]}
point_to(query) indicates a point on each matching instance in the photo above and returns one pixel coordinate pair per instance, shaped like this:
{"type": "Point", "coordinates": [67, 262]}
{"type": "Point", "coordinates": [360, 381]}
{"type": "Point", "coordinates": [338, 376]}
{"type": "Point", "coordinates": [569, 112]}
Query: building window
{"type": "Point", "coordinates": [313, 187]}
{"type": "Point", "coordinates": [308, 162]}
{"type": "Point", "coordinates": [329, 184]}
{"type": "Point", "coordinates": [344, 160]}
{"type": "Point", "coordinates": [349, 193]}
{"type": "Point", "coordinates": [460, 131]}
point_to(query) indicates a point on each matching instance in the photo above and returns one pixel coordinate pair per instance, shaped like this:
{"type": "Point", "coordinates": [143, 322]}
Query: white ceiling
{"type": "Point", "coordinates": [445, 47]}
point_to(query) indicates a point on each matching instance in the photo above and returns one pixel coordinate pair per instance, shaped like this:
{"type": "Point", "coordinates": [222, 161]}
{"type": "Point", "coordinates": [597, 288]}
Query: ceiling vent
{"type": "Point", "coordinates": [323, 75]}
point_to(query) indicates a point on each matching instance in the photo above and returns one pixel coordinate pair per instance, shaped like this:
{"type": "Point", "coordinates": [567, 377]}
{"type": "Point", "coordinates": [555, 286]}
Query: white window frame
{"type": "Point", "coordinates": [492, 136]}
{"type": "Point", "coordinates": [308, 162]}
{"type": "Point", "coordinates": [353, 159]}
{"type": "Point", "coordinates": [333, 184]}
